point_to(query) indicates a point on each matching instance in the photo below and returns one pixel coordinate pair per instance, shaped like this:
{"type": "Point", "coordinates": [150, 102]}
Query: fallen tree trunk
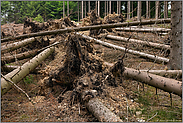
{"type": "Point", "coordinates": [165, 72]}
{"type": "Point", "coordinates": [166, 84]}
{"type": "Point", "coordinates": [9, 59]}
{"type": "Point", "coordinates": [145, 29]}
{"type": "Point", "coordinates": [19, 73]}
{"type": "Point", "coordinates": [156, 45]}
{"type": "Point", "coordinates": [16, 45]}
{"type": "Point", "coordinates": [103, 26]}
{"type": "Point", "coordinates": [9, 68]}
{"type": "Point", "coordinates": [157, 58]}
{"type": "Point", "coordinates": [101, 112]}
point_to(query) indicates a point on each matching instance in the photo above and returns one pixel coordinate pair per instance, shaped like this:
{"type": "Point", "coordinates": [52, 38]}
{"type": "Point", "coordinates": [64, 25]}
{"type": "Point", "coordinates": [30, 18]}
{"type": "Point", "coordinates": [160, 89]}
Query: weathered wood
{"type": "Point", "coordinates": [145, 29]}
{"type": "Point", "coordinates": [18, 74]}
{"type": "Point", "coordinates": [101, 112]}
{"type": "Point", "coordinates": [166, 84]}
{"type": "Point", "coordinates": [157, 58]}
{"type": "Point", "coordinates": [16, 45]}
{"type": "Point", "coordinates": [165, 72]}
{"type": "Point", "coordinates": [103, 26]}
{"type": "Point", "coordinates": [156, 45]}
{"type": "Point", "coordinates": [9, 59]}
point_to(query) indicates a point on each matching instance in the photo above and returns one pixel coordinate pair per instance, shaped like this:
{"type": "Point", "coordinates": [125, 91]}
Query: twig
{"type": "Point", "coordinates": [16, 86]}
{"type": "Point", "coordinates": [152, 117]}
{"type": "Point", "coordinates": [127, 108]}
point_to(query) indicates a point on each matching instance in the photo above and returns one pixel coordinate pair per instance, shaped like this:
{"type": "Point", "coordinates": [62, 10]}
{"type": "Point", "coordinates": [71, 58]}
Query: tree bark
{"type": "Point", "coordinates": [78, 11]}
{"type": "Point", "coordinates": [109, 7]}
{"type": "Point", "coordinates": [165, 9]}
{"type": "Point", "coordinates": [96, 6]}
{"type": "Point", "coordinates": [128, 10]}
{"type": "Point", "coordinates": [63, 9]}
{"type": "Point", "coordinates": [88, 6]}
{"type": "Point", "coordinates": [67, 8]}
{"type": "Point", "coordinates": [103, 26]}
{"type": "Point", "coordinates": [9, 59]}
{"type": "Point", "coordinates": [85, 9]}
{"type": "Point", "coordinates": [147, 9]}
{"type": "Point", "coordinates": [132, 9]}
{"type": "Point", "coordinates": [139, 11]}
{"type": "Point", "coordinates": [149, 29]}
{"type": "Point", "coordinates": [157, 9]}
{"type": "Point", "coordinates": [117, 7]}
{"type": "Point", "coordinates": [165, 72]}
{"type": "Point", "coordinates": [101, 112]}
{"type": "Point", "coordinates": [16, 45]}
{"type": "Point", "coordinates": [176, 36]}
{"type": "Point", "coordinates": [18, 74]}
{"type": "Point", "coordinates": [105, 9]}
{"type": "Point", "coordinates": [99, 8]}
{"type": "Point", "coordinates": [81, 9]}
{"type": "Point", "coordinates": [156, 58]}
{"type": "Point", "coordinates": [151, 44]}
{"type": "Point", "coordinates": [166, 84]}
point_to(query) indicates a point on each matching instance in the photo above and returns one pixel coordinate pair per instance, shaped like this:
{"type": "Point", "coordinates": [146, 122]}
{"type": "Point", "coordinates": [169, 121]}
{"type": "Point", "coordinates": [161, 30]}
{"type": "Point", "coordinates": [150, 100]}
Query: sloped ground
{"type": "Point", "coordinates": [130, 101]}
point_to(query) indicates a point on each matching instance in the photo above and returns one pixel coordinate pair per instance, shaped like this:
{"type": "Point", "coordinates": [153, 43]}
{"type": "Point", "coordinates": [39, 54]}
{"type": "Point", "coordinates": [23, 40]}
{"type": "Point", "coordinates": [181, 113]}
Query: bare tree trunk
{"type": "Point", "coordinates": [16, 45]}
{"type": "Point", "coordinates": [166, 84]}
{"type": "Point", "coordinates": [63, 9]}
{"type": "Point", "coordinates": [78, 11]}
{"type": "Point", "coordinates": [110, 7]}
{"type": "Point", "coordinates": [19, 74]}
{"type": "Point", "coordinates": [67, 8]}
{"type": "Point", "coordinates": [101, 112]}
{"type": "Point", "coordinates": [85, 9]}
{"type": "Point", "coordinates": [165, 9]}
{"type": "Point", "coordinates": [147, 10]}
{"type": "Point", "coordinates": [88, 6]}
{"type": "Point", "coordinates": [99, 8]}
{"type": "Point", "coordinates": [132, 9]}
{"type": "Point", "coordinates": [157, 9]}
{"type": "Point", "coordinates": [132, 29]}
{"type": "Point", "coordinates": [117, 7]}
{"type": "Point", "coordinates": [156, 58]}
{"type": "Point", "coordinates": [103, 26]}
{"type": "Point", "coordinates": [156, 45]}
{"type": "Point", "coordinates": [139, 11]}
{"type": "Point", "coordinates": [176, 36]}
{"type": "Point", "coordinates": [105, 9]}
{"type": "Point", "coordinates": [128, 10]}
{"type": "Point", "coordinates": [9, 59]}
{"type": "Point", "coordinates": [96, 6]}
{"type": "Point", "coordinates": [81, 9]}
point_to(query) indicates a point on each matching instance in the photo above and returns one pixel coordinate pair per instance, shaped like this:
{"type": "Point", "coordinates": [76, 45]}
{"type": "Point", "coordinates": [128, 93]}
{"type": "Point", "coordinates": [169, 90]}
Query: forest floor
{"type": "Point", "coordinates": [131, 100]}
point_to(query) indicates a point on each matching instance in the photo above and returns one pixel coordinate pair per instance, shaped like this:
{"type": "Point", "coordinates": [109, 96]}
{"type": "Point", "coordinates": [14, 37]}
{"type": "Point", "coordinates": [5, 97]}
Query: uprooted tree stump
{"type": "Point", "coordinates": [83, 72]}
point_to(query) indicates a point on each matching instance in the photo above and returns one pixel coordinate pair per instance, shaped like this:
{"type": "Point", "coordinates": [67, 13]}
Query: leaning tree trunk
{"type": "Point", "coordinates": [19, 74]}
{"type": "Point", "coordinates": [166, 84]}
{"type": "Point", "coordinates": [156, 58]}
{"type": "Point", "coordinates": [16, 45]}
{"type": "Point", "coordinates": [156, 45]}
{"type": "Point", "coordinates": [176, 36]}
{"type": "Point", "coordinates": [103, 26]}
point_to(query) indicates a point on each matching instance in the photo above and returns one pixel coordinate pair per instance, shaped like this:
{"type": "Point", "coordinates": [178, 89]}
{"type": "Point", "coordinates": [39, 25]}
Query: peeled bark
{"type": "Point", "coordinates": [101, 112]}
{"type": "Point", "coordinates": [157, 58]}
{"type": "Point", "coordinates": [9, 59]}
{"type": "Point", "coordinates": [16, 45]}
{"type": "Point", "coordinates": [156, 45]}
{"type": "Point", "coordinates": [18, 74]}
{"type": "Point", "coordinates": [134, 29]}
{"type": "Point", "coordinates": [103, 26]}
{"type": "Point", "coordinates": [166, 84]}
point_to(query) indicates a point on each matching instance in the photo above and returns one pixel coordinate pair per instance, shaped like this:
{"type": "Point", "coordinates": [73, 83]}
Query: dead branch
{"type": "Point", "coordinates": [103, 26]}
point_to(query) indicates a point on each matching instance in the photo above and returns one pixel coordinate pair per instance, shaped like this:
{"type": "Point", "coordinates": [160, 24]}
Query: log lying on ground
{"type": "Point", "coordinates": [9, 59]}
{"type": "Point", "coordinates": [18, 74]}
{"type": "Point", "coordinates": [166, 84]}
{"type": "Point", "coordinates": [101, 112]}
{"type": "Point", "coordinates": [9, 68]}
{"type": "Point", "coordinates": [145, 29]}
{"type": "Point", "coordinates": [156, 45]}
{"type": "Point", "coordinates": [16, 45]}
{"type": "Point", "coordinates": [103, 26]}
{"type": "Point", "coordinates": [165, 72]}
{"type": "Point", "coordinates": [157, 58]}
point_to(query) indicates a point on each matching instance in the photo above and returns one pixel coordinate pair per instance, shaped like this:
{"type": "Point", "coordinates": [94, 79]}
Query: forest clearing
{"type": "Point", "coordinates": [108, 66]}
